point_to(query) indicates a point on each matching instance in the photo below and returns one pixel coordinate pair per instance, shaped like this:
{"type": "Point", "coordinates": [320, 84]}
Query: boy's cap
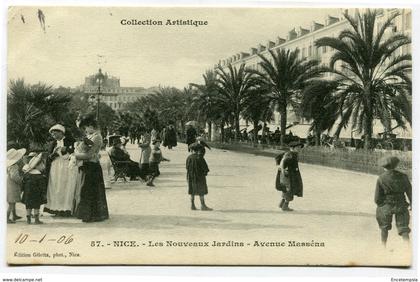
{"type": "Point", "coordinates": [390, 162]}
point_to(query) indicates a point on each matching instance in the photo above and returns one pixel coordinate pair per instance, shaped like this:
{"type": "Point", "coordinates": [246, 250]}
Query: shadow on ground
{"type": "Point", "coordinates": [306, 212]}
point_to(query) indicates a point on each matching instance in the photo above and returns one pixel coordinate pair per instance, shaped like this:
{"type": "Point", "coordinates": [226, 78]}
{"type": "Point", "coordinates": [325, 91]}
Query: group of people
{"type": "Point", "coordinates": [147, 169]}
{"type": "Point", "coordinates": [393, 189]}
{"type": "Point", "coordinates": [67, 179]}
{"type": "Point", "coordinates": [168, 135]}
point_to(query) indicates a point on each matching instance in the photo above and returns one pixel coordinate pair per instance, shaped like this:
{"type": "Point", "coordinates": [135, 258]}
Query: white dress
{"type": "Point", "coordinates": [75, 178]}
{"type": "Point", "coordinates": [107, 169]}
{"type": "Point", "coordinates": [61, 188]}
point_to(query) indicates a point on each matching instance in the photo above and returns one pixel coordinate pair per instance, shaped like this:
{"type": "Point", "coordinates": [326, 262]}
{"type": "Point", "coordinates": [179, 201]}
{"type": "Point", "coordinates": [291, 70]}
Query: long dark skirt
{"type": "Point", "coordinates": [133, 170]}
{"type": "Point", "coordinates": [144, 171]}
{"type": "Point", "coordinates": [93, 205]}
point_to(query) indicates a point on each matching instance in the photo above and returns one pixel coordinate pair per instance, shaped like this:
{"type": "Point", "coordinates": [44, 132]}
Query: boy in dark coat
{"type": "Point", "coordinates": [197, 170]}
{"type": "Point", "coordinates": [392, 187]}
{"type": "Point", "coordinates": [34, 187]}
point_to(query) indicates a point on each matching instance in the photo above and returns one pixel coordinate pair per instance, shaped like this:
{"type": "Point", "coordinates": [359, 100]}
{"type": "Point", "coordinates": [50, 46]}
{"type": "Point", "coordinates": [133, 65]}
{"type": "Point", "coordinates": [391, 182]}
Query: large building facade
{"type": "Point", "coordinates": [303, 39]}
{"type": "Point", "coordinates": [112, 93]}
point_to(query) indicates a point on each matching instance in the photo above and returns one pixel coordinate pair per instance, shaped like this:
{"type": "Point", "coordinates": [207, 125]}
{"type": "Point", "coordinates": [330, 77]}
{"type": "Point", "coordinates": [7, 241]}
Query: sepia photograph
{"type": "Point", "coordinates": [224, 136]}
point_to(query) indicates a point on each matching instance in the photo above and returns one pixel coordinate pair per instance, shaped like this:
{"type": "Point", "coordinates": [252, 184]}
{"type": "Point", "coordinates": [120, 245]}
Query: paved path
{"type": "Point", "coordinates": [337, 209]}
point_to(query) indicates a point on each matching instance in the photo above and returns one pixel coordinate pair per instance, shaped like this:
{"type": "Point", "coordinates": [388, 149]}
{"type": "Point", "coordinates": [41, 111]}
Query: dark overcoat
{"type": "Point", "coordinates": [197, 170]}
{"type": "Point", "coordinates": [34, 190]}
{"type": "Point", "coordinates": [293, 179]}
{"type": "Point", "coordinates": [170, 138]}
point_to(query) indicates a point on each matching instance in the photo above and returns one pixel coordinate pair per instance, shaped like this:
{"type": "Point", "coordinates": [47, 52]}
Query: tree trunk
{"type": "Point", "coordinates": [237, 126]}
{"type": "Point", "coordinates": [255, 132]}
{"type": "Point", "coordinates": [368, 126]}
{"type": "Point", "coordinates": [317, 137]}
{"type": "Point", "coordinates": [283, 122]}
{"type": "Point", "coordinates": [209, 130]}
{"type": "Point", "coordinates": [368, 133]}
{"type": "Point", "coordinates": [222, 131]}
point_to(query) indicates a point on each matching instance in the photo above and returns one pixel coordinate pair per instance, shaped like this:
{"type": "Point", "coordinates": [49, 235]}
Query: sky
{"type": "Point", "coordinates": [77, 41]}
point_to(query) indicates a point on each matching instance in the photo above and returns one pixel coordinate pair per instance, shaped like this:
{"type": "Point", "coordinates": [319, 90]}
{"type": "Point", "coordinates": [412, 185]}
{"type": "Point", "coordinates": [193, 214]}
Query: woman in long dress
{"type": "Point", "coordinates": [170, 137]}
{"type": "Point", "coordinates": [60, 191]}
{"type": "Point", "coordinates": [93, 205]}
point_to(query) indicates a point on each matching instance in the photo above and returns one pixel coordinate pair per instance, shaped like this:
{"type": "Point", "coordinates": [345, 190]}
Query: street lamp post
{"type": "Point", "coordinates": [99, 79]}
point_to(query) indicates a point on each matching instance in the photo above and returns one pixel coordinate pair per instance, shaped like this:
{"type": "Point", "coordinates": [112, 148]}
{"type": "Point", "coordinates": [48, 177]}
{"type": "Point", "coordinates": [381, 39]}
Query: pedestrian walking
{"type": "Point", "coordinates": [170, 139]}
{"type": "Point", "coordinates": [93, 205]}
{"type": "Point", "coordinates": [289, 180]}
{"type": "Point", "coordinates": [34, 187]}
{"type": "Point", "coordinates": [154, 134]}
{"type": "Point", "coordinates": [392, 188]}
{"type": "Point", "coordinates": [197, 170]}
{"type": "Point", "coordinates": [145, 151]}
{"type": "Point", "coordinates": [14, 182]}
{"type": "Point", "coordinates": [155, 159]}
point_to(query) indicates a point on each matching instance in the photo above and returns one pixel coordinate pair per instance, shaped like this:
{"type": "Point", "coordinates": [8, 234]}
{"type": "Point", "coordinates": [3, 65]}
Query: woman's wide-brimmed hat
{"type": "Point", "coordinates": [390, 162]}
{"type": "Point", "coordinates": [57, 127]}
{"type": "Point", "coordinates": [86, 120]}
{"type": "Point", "coordinates": [33, 163]}
{"type": "Point", "coordinates": [13, 156]}
{"type": "Point", "coordinates": [201, 141]}
{"type": "Point", "coordinates": [114, 139]}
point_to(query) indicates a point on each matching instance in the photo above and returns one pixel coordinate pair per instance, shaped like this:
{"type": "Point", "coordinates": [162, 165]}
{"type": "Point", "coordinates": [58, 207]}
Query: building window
{"type": "Point", "coordinates": [324, 49]}
{"type": "Point", "coordinates": [303, 52]}
{"type": "Point", "coordinates": [310, 51]}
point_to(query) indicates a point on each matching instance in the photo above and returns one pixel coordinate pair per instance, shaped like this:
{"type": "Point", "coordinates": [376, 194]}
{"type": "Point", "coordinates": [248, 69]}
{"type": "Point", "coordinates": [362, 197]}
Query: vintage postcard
{"type": "Point", "coordinates": [209, 136]}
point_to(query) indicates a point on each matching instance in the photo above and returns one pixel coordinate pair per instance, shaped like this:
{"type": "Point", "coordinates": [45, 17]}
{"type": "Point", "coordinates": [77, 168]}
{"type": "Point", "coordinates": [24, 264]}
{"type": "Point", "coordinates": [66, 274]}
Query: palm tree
{"type": "Point", "coordinates": [257, 108]}
{"type": "Point", "coordinates": [233, 86]}
{"type": "Point", "coordinates": [373, 82]}
{"type": "Point", "coordinates": [206, 100]}
{"type": "Point", "coordinates": [31, 110]}
{"type": "Point", "coordinates": [320, 106]}
{"type": "Point", "coordinates": [284, 74]}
